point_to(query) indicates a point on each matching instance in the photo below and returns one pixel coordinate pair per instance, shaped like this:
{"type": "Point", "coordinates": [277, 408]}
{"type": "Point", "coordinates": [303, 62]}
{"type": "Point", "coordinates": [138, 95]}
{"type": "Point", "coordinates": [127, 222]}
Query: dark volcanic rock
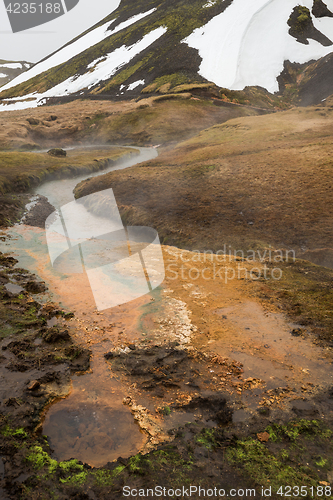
{"type": "Point", "coordinates": [38, 214]}
{"type": "Point", "coordinates": [57, 152]}
{"type": "Point", "coordinates": [55, 334]}
{"type": "Point", "coordinates": [35, 287]}
{"type": "Point", "coordinates": [33, 121]}
{"type": "Point", "coordinates": [302, 28]}
{"type": "Point", "coordinates": [319, 9]}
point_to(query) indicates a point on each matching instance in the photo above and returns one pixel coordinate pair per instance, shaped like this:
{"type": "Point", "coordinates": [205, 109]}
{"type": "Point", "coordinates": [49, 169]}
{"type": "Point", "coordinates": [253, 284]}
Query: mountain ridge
{"type": "Point", "coordinates": [11, 69]}
{"type": "Point", "coordinates": [141, 48]}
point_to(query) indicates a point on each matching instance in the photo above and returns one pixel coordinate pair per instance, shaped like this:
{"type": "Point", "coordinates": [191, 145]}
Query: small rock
{"type": "Point", "coordinates": [132, 347]}
{"type": "Point", "coordinates": [32, 121]}
{"type": "Point", "coordinates": [35, 287]}
{"type": "Point", "coordinates": [34, 384]}
{"type": "Point", "coordinates": [296, 332]}
{"type": "Point", "coordinates": [55, 334]}
{"type": "Point", "coordinates": [68, 315]}
{"type": "Point", "coordinates": [57, 152]}
{"type": "Point", "coordinates": [263, 437]}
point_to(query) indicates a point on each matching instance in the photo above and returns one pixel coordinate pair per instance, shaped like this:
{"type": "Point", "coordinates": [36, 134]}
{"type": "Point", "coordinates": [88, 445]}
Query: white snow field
{"type": "Point", "coordinates": [11, 66]}
{"type": "Point", "coordinates": [248, 43]}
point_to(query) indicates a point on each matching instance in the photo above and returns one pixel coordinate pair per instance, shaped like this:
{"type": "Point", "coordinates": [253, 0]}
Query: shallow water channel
{"type": "Point", "coordinates": [91, 424]}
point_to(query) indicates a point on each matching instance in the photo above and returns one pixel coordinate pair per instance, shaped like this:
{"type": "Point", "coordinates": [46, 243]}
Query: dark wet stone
{"type": "Point", "coordinates": [263, 411]}
{"type": "Point", "coordinates": [304, 409]}
{"type": "Point", "coordinates": [215, 406]}
{"type": "Point", "coordinates": [33, 121]}
{"type": "Point", "coordinates": [35, 287]}
{"type": "Point", "coordinates": [33, 385]}
{"type": "Point", "coordinates": [58, 152]}
{"type": "Point", "coordinates": [38, 214]}
{"type": "Point", "coordinates": [21, 478]}
{"type": "Point", "coordinates": [55, 334]}
{"type": "Point", "coordinates": [51, 377]}
{"type": "Point", "coordinates": [68, 315]}
{"type": "Point", "coordinates": [109, 355]}
{"type": "Point", "coordinates": [297, 332]}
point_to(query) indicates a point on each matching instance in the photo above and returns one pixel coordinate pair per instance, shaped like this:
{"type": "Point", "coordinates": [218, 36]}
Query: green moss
{"type": "Point", "coordinates": [134, 463]}
{"type": "Point", "coordinates": [174, 79]}
{"type": "Point", "coordinates": [280, 464]}
{"type": "Point", "coordinates": [70, 465]}
{"type": "Point", "coordinates": [39, 458]}
{"type": "Point", "coordinates": [106, 478]}
{"type": "Point", "coordinates": [321, 462]}
{"type": "Point", "coordinates": [299, 20]}
{"type": "Point", "coordinates": [102, 478]}
{"type": "Point", "coordinates": [166, 410]}
{"type": "Point", "coordinates": [206, 438]}
{"type": "Point", "coordinates": [306, 294]}
{"type": "Point", "coordinates": [19, 433]}
{"type": "Point", "coordinates": [263, 467]}
{"type": "Point", "coordinates": [293, 430]}
{"type": "Point", "coordinates": [76, 479]}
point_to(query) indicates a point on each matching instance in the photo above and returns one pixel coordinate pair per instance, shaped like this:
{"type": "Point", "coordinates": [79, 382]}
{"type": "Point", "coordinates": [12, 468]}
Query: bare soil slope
{"type": "Point", "coordinates": [251, 182]}
{"type": "Point", "coordinates": [160, 119]}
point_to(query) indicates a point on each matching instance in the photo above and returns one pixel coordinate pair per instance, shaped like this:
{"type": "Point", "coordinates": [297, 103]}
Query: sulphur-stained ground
{"type": "Point", "coordinates": [220, 378]}
{"type": "Point", "coordinates": [228, 391]}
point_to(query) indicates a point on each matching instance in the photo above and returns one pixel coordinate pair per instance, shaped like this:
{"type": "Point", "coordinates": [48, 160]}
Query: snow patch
{"type": "Point", "coordinates": [83, 43]}
{"type": "Point", "coordinates": [248, 43]}
{"type": "Point", "coordinates": [3, 75]}
{"type": "Point", "coordinates": [209, 4]}
{"type": "Point", "coordinates": [11, 66]}
{"type": "Point", "coordinates": [133, 85]}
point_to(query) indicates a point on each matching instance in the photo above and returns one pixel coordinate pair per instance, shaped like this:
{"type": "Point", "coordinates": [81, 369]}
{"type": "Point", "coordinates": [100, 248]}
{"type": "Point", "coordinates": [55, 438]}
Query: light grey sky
{"type": "Point", "coordinates": [36, 43]}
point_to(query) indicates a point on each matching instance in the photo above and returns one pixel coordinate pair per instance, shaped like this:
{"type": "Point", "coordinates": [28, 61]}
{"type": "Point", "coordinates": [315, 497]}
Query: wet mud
{"type": "Point", "coordinates": [166, 388]}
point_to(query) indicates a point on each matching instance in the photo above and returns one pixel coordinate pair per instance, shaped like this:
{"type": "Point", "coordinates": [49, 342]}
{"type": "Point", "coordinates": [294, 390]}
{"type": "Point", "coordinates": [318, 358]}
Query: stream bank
{"type": "Point", "coordinates": [199, 371]}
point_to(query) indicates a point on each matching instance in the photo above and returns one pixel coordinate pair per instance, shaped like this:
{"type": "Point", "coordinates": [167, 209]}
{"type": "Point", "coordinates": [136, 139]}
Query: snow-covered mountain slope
{"type": "Point", "coordinates": [11, 69]}
{"type": "Point", "coordinates": [251, 41]}
{"type": "Point", "coordinates": [144, 46]}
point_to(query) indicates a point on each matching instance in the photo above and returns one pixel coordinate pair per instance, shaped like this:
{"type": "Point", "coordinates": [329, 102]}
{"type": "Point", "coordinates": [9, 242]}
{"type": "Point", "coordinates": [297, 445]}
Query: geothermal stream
{"type": "Point", "coordinates": [92, 424]}
{"type": "Point", "coordinates": [94, 409]}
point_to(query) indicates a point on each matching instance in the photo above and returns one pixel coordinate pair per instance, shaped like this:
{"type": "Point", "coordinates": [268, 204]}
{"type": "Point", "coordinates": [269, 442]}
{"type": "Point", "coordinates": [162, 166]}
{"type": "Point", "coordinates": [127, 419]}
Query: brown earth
{"type": "Point", "coordinates": [151, 120]}
{"type": "Point", "coordinates": [213, 343]}
{"type": "Point", "coordinates": [249, 183]}
{"type": "Point", "coordinates": [205, 348]}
